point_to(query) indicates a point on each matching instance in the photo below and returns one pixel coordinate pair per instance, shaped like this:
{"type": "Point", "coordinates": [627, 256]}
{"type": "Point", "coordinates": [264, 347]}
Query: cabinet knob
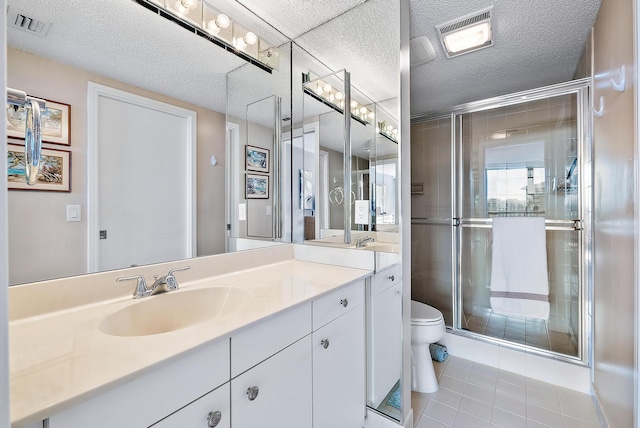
{"type": "Point", "coordinates": [213, 418]}
{"type": "Point", "coordinates": [325, 343]}
{"type": "Point", "coordinates": [344, 302]}
{"type": "Point", "coordinates": [252, 392]}
{"type": "Point", "coordinates": [392, 277]}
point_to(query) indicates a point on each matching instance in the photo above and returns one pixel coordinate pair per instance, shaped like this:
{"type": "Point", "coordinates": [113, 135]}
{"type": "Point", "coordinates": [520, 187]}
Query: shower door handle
{"type": "Point", "coordinates": [455, 222]}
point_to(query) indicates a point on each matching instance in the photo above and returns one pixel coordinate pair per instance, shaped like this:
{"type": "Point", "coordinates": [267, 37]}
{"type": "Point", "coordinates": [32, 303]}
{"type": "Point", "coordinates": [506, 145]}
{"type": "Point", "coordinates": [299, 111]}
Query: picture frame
{"type": "Point", "coordinates": [56, 123]}
{"type": "Point", "coordinates": [257, 159]}
{"type": "Point", "coordinates": [257, 186]}
{"type": "Point", "coordinates": [55, 170]}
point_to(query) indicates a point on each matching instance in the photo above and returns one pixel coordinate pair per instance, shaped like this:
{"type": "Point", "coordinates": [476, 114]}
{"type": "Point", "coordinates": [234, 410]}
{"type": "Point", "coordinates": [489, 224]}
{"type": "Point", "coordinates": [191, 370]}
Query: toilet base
{"type": "Point", "coordinates": [423, 375]}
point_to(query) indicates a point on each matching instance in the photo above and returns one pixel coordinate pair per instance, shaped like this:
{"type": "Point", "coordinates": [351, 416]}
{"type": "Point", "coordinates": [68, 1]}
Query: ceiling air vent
{"type": "Point", "coordinates": [467, 34]}
{"type": "Point", "coordinates": [22, 21]}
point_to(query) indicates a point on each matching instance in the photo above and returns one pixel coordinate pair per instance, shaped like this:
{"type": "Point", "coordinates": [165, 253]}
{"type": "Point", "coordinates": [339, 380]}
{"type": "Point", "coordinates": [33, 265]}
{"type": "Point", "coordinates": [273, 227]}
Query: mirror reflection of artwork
{"type": "Point", "coordinates": [55, 119]}
{"type": "Point", "coordinates": [257, 186]}
{"type": "Point", "coordinates": [257, 159]}
{"type": "Point", "coordinates": [53, 174]}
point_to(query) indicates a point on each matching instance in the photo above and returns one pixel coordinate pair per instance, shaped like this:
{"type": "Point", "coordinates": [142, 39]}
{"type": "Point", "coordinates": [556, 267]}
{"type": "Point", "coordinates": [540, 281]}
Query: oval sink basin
{"type": "Point", "coordinates": [173, 311]}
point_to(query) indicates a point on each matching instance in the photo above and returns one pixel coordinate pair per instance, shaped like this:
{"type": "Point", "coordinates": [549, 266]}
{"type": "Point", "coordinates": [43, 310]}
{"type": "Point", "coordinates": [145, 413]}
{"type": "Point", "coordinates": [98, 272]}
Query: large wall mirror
{"type": "Point", "coordinates": [261, 160]}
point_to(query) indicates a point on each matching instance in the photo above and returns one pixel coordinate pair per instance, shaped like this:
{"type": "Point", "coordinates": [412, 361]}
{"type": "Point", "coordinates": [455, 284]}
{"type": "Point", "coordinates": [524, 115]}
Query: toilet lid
{"type": "Point", "coordinates": [424, 314]}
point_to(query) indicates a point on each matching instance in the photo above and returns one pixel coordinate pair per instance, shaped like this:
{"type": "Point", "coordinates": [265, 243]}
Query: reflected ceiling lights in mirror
{"type": "Point", "coordinates": [325, 91]}
{"type": "Point", "coordinates": [207, 22]}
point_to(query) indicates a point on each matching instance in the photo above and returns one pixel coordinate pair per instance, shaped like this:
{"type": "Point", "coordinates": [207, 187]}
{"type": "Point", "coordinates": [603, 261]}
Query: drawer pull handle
{"type": "Point", "coordinates": [325, 343]}
{"type": "Point", "coordinates": [213, 418]}
{"type": "Point", "coordinates": [392, 277]}
{"type": "Point", "coordinates": [344, 302]}
{"type": "Point", "coordinates": [252, 392]}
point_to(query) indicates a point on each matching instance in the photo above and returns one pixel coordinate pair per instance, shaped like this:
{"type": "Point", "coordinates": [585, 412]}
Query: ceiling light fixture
{"type": "Point", "coordinates": [204, 20]}
{"type": "Point", "coordinates": [467, 34]}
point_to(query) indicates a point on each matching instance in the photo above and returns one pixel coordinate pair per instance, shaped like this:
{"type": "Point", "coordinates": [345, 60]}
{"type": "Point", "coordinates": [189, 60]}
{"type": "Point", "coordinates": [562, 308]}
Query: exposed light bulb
{"type": "Point", "coordinates": [250, 38]}
{"type": "Point", "coordinates": [363, 110]}
{"type": "Point", "coordinates": [327, 88]}
{"type": "Point", "coordinates": [212, 27]}
{"type": "Point", "coordinates": [354, 104]}
{"type": "Point", "coordinates": [239, 43]}
{"type": "Point", "coordinates": [189, 4]}
{"type": "Point", "coordinates": [180, 8]}
{"type": "Point", "coordinates": [223, 21]}
{"type": "Point", "coordinates": [339, 95]}
{"type": "Point", "coordinates": [371, 115]}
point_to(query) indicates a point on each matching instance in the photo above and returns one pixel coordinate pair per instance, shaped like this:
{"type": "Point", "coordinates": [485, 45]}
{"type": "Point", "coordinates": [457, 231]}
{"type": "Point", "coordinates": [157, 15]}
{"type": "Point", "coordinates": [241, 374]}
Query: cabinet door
{"type": "Point", "coordinates": [339, 372]}
{"type": "Point", "coordinates": [282, 389]}
{"type": "Point", "coordinates": [213, 407]}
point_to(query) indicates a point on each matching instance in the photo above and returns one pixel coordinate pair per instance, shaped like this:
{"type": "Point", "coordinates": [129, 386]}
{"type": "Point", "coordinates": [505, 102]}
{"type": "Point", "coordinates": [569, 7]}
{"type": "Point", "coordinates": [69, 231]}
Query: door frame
{"type": "Point", "coordinates": [94, 92]}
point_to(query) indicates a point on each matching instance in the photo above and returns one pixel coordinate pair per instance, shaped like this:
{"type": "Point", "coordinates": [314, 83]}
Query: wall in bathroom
{"type": "Point", "coordinates": [431, 209]}
{"type": "Point", "coordinates": [4, 275]}
{"type": "Point", "coordinates": [613, 166]}
{"type": "Point", "coordinates": [44, 213]}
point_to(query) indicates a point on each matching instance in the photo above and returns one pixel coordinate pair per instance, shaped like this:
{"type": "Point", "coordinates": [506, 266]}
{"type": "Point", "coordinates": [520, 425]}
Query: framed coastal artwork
{"type": "Point", "coordinates": [54, 175]}
{"type": "Point", "coordinates": [257, 159]}
{"type": "Point", "coordinates": [56, 123]}
{"type": "Point", "coordinates": [257, 186]}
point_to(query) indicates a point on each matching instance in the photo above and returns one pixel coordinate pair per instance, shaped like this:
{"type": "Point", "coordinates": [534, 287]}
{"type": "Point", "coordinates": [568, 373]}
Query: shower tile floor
{"type": "Point", "coordinates": [531, 332]}
{"type": "Point", "coordinates": [473, 395]}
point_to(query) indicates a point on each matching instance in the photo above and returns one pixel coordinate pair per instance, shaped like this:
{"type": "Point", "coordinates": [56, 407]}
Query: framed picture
{"type": "Point", "coordinates": [257, 159]}
{"type": "Point", "coordinates": [257, 186]}
{"type": "Point", "coordinates": [54, 175]}
{"type": "Point", "coordinates": [56, 123]}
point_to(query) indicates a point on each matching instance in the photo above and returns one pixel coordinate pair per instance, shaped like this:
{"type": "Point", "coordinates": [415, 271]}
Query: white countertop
{"type": "Point", "coordinates": [61, 358]}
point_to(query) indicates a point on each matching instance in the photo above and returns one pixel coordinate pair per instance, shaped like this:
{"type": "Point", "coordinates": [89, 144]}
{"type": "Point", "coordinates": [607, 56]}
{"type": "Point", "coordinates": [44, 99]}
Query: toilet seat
{"type": "Point", "coordinates": [422, 314]}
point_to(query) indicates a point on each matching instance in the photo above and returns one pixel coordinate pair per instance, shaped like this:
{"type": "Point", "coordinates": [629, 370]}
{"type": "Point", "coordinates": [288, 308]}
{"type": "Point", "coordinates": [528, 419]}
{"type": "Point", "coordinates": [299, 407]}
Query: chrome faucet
{"type": "Point", "coordinates": [163, 284]}
{"type": "Point", "coordinates": [362, 242]}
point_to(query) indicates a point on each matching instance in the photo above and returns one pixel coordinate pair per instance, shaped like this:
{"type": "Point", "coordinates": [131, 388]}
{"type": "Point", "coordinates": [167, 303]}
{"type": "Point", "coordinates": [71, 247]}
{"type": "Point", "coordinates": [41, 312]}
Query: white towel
{"type": "Point", "coordinates": [519, 278]}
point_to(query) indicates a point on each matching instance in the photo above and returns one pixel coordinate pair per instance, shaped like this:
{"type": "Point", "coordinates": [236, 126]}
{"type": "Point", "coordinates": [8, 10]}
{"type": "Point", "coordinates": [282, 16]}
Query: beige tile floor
{"type": "Point", "coordinates": [473, 395]}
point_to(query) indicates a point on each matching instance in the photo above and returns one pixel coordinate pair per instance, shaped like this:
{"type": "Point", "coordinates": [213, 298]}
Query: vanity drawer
{"type": "Point", "coordinates": [152, 396]}
{"type": "Point", "coordinates": [337, 303]}
{"type": "Point", "coordinates": [257, 343]}
{"type": "Point", "coordinates": [386, 278]}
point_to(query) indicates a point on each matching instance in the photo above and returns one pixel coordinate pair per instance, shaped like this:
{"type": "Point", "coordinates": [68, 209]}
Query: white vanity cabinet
{"type": "Point", "coordinates": [152, 396]}
{"type": "Point", "coordinates": [339, 359]}
{"type": "Point", "coordinates": [303, 367]}
{"type": "Point", "coordinates": [385, 339]}
{"type": "Point", "coordinates": [211, 411]}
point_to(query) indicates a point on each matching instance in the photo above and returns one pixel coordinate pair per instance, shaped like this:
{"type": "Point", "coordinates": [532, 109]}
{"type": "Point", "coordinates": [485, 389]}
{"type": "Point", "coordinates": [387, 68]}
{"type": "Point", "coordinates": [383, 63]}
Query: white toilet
{"type": "Point", "coordinates": [427, 327]}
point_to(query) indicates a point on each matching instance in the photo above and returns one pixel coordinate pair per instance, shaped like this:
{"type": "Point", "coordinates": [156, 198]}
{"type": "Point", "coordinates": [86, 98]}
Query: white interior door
{"type": "Point", "coordinates": [141, 180]}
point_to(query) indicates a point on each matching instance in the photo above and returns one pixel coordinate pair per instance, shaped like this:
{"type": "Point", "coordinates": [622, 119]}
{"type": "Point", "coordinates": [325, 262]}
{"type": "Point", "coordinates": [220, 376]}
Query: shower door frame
{"type": "Point", "coordinates": [581, 88]}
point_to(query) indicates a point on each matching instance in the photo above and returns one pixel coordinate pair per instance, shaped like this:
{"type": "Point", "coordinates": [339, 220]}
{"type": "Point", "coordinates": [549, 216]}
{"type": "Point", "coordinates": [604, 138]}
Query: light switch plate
{"type": "Point", "coordinates": [242, 212]}
{"type": "Point", "coordinates": [74, 213]}
{"type": "Point", "coordinates": [268, 210]}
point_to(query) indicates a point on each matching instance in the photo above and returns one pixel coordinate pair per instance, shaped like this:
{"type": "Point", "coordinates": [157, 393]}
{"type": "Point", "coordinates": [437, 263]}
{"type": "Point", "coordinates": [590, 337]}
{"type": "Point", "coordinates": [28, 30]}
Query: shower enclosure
{"type": "Point", "coordinates": [525, 154]}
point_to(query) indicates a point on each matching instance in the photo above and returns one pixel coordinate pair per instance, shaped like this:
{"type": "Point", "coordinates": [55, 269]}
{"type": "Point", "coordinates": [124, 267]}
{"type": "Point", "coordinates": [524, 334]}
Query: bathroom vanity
{"type": "Point", "coordinates": [282, 346]}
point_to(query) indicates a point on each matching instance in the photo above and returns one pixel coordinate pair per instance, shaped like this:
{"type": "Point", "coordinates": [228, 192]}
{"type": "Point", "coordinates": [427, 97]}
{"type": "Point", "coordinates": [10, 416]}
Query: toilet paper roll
{"type": "Point", "coordinates": [438, 352]}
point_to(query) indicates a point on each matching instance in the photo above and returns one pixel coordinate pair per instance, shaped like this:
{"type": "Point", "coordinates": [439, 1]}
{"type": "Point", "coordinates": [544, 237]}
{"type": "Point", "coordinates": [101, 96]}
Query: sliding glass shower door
{"type": "Point", "coordinates": [520, 159]}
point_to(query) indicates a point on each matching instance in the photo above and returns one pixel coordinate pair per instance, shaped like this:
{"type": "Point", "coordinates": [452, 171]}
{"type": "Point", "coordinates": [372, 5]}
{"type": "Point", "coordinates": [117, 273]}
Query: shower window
{"type": "Point", "coordinates": [515, 191]}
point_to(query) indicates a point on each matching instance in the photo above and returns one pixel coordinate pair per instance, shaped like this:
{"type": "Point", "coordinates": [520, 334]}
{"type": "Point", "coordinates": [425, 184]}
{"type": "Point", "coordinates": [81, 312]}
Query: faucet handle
{"type": "Point", "coordinates": [141, 286]}
{"type": "Point", "coordinates": [172, 282]}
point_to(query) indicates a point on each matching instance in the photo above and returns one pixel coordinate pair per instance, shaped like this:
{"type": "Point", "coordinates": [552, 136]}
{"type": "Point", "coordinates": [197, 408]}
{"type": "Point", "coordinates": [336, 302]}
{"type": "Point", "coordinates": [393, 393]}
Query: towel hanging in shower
{"type": "Point", "coordinates": [519, 278]}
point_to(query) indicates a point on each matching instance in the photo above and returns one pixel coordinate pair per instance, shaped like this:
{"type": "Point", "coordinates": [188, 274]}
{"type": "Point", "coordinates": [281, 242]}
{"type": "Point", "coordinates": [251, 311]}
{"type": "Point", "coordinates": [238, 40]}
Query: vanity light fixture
{"type": "Point", "coordinates": [387, 130]}
{"type": "Point", "coordinates": [209, 23]}
{"type": "Point", "coordinates": [467, 34]}
{"type": "Point", "coordinates": [326, 93]}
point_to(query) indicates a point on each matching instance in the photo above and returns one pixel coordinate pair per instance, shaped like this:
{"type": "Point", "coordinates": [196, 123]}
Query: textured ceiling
{"type": "Point", "coordinates": [537, 43]}
{"type": "Point", "coordinates": [296, 17]}
{"type": "Point", "coordinates": [124, 41]}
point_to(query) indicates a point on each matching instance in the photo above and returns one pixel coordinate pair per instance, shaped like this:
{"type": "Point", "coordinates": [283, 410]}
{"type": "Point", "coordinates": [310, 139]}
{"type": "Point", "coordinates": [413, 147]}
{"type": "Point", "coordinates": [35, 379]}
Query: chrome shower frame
{"type": "Point", "coordinates": [581, 88]}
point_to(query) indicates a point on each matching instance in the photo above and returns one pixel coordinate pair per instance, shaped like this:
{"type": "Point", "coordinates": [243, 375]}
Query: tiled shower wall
{"type": "Point", "coordinates": [431, 215]}
{"type": "Point", "coordinates": [551, 121]}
